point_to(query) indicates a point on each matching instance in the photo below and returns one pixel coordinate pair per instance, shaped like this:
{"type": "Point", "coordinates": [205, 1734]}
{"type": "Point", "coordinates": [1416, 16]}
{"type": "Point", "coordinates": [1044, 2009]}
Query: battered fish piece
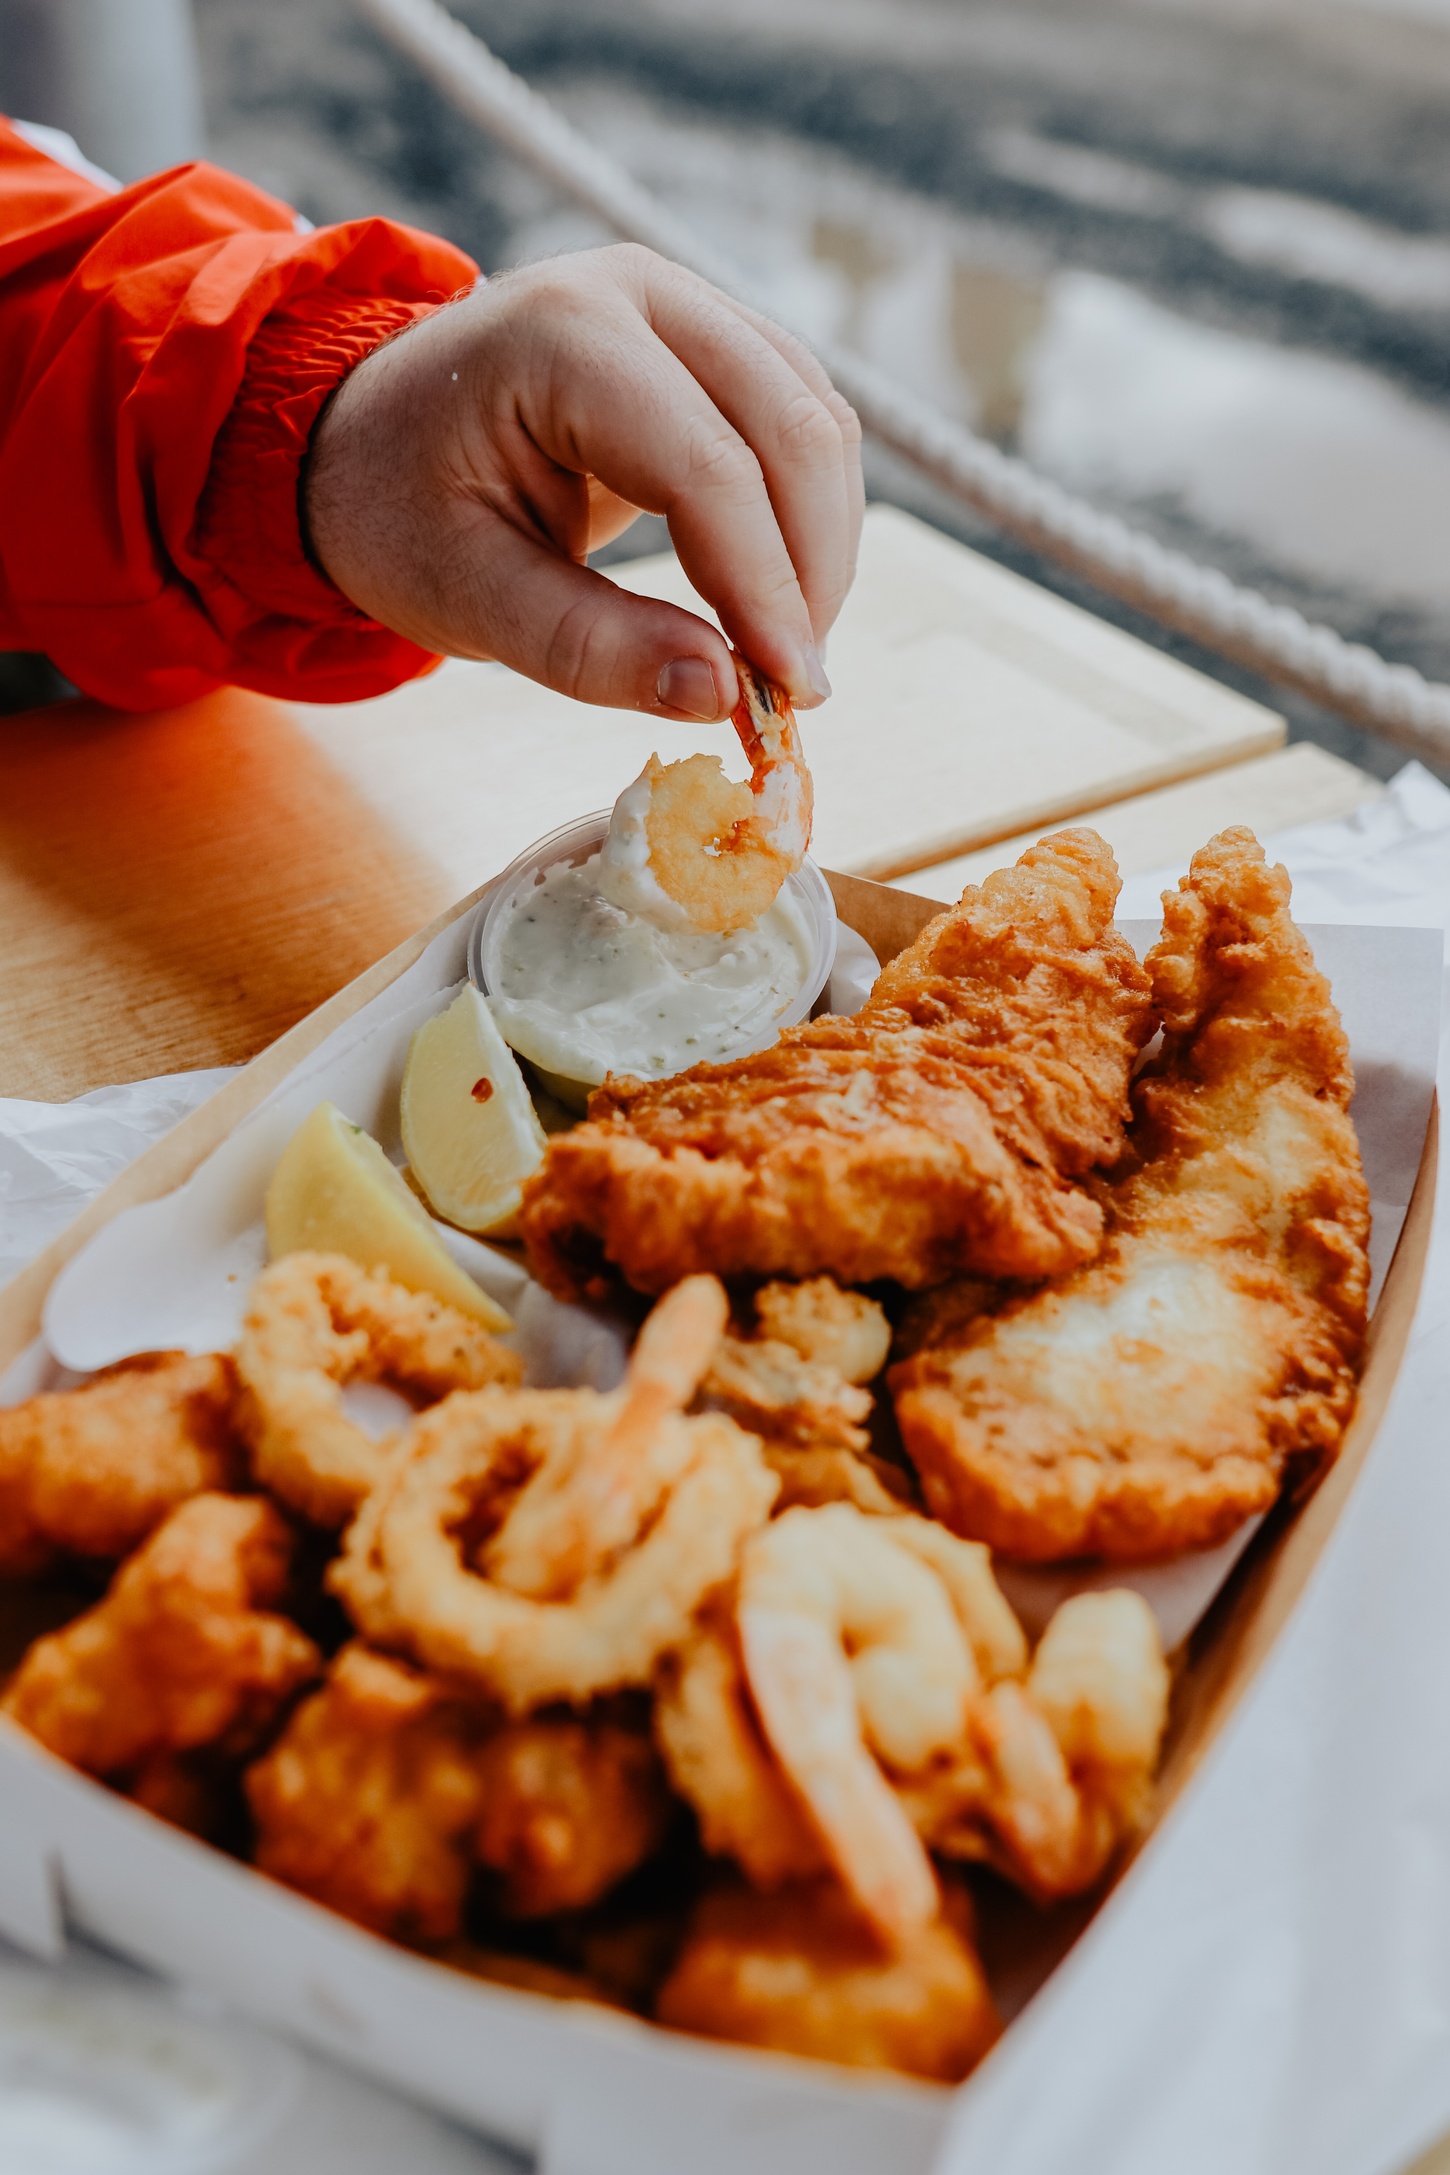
{"type": "Point", "coordinates": [938, 1133]}
{"type": "Point", "coordinates": [182, 1652]}
{"type": "Point", "coordinates": [390, 1784]}
{"type": "Point", "coordinates": [569, 1808]}
{"type": "Point", "coordinates": [803, 1972]}
{"type": "Point", "coordinates": [369, 1799]}
{"type": "Point", "coordinates": [92, 1471]}
{"type": "Point", "coordinates": [1153, 1401]}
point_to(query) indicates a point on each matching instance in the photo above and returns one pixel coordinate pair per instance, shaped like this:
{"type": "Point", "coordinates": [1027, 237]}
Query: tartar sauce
{"type": "Point", "coordinates": [583, 987]}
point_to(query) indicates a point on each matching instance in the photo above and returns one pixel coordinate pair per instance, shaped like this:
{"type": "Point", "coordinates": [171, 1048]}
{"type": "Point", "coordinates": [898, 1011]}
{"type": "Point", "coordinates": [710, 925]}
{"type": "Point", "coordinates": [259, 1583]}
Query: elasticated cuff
{"type": "Point", "coordinates": [249, 523]}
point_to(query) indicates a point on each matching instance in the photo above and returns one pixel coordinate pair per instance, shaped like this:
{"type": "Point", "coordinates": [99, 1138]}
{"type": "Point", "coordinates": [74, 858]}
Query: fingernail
{"type": "Point", "coordinates": [816, 672]}
{"type": "Point", "coordinates": [687, 684]}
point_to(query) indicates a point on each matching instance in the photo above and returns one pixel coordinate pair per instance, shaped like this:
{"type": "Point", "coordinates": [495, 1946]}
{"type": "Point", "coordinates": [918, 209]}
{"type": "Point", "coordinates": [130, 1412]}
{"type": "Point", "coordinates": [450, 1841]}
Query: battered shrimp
{"type": "Point", "coordinates": [575, 1518]}
{"type": "Point", "coordinates": [1057, 1772]}
{"type": "Point", "coordinates": [797, 1383]}
{"type": "Point", "coordinates": [718, 1761]}
{"type": "Point", "coordinates": [1100, 1685]}
{"type": "Point", "coordinates": [718, 851]}
{"type": "Point", "coordinates": [802, 1972]}
{"type": "Point", "coordinates": [842, 1330]}
{"type": "Point", "coordinates": [854, 1653]}
{"type": "Point", "coordinates": [887, 1672]}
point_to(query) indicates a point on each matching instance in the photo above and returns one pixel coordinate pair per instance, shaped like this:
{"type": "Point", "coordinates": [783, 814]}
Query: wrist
{"type": "Point", "coordinates": [252, 522]}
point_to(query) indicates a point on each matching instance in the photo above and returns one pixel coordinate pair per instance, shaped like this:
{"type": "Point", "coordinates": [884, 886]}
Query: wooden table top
{"type": "Point", "coordinates": [177, 889]}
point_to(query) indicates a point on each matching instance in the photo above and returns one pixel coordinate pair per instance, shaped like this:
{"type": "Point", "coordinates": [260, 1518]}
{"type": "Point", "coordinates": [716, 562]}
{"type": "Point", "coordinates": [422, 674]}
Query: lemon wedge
{"type": "Point", "coordinates": [469, 1125]}
{"type": "Point", "coordinates": [335, 1192]}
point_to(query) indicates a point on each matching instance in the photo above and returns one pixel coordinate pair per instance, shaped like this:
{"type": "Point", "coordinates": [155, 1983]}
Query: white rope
{"type": "Point", "coordinates": [1394, 701]}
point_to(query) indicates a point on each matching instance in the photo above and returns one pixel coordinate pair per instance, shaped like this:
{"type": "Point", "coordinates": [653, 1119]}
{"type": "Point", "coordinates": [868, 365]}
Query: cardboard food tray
{"type": "Point", "coordinates": [591, 2091]}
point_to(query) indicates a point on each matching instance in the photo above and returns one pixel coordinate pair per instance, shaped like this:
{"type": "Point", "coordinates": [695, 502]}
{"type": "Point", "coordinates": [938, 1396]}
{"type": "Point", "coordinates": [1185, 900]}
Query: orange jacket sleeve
{"type": "Point", "coordinates": [164, 352]}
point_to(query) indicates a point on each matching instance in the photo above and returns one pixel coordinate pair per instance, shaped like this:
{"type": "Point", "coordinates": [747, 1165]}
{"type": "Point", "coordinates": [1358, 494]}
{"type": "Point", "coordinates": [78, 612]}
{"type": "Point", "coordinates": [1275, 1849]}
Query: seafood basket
{"type": "Point", "coordinates": [589, 2091]}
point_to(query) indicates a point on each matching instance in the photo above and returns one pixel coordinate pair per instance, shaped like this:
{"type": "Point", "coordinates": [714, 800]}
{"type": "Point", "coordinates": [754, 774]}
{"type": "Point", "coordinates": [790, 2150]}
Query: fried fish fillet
{"type": "Point", "coordinates": [1155, 1399]}
{"type": "Point", "coordinates": [184, 1650]}
{"type": "Point", "coordinates": [369, 1798]}
{"type": "Point", "coordinates": [91, 1471]}
{"type": "Point", "coordinates": [937, 1133]}
{"type": "Point", "coordinates": [802, 1972]}
{"type": "Point", "coordinates": [389, 1784]}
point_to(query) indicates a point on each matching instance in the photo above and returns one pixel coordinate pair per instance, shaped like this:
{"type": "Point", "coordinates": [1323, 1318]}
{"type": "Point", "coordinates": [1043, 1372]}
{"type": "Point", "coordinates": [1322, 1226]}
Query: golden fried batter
{"type": "Point", "coordinates": [412, 1574]}
{"type": "Point", "coordinates": [182, 1651]}
{"type": "Point", "coordinates": [368, 1800]}
{"type": "Point", "coordinates": [815, 1475]}
{"type": "Point", "coordinates": [370, 1795]}
{"type": "Point", "coordinates": [316, 1321]}
{"type": "Point", "coordinates": [936, 1134]}
{"type": "Point", "coordinates": [842, 1330]}
{"type": "Point", "coordinates": [91, 1471]}
{"type": "Point", "coordinates": [802, 1972]}
{"type": "Point", "coordinates": [1055, 1774]}
{"type": "Point", "coordinates": [797, 1384]}
{"type": "Point", "coordinates": [569, 1808]}
{"type": "Point", "coordinates": [1154, 1400]}
{"type": "Point", "coordinates": [388, 1785]}
{"type": "Point", "coordinates": [771, 1390]}
{"type": "Point", "coordinates": [720, 1763]}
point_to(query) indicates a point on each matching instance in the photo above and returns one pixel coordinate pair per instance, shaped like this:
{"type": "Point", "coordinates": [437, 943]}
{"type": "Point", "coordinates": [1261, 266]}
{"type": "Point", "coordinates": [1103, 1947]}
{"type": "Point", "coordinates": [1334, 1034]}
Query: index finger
{"type": "Point", "coordinates": [782, 404]}
{"type": "Point", "coordinates": [625, 409]}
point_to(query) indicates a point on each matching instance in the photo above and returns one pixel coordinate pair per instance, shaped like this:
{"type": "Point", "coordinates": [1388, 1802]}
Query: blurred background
{"type": "Point", "coordinates": [1189, 257]}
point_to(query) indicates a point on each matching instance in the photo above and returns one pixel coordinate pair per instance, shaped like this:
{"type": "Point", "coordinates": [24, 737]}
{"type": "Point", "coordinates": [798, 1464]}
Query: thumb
{"type": "Point", "coordinates": [572, 629]}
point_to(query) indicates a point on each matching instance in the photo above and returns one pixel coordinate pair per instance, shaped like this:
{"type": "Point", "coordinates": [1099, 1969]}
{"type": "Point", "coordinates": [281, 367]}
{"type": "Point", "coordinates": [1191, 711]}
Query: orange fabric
{"type": "Point", "coordinates": [163, 354]}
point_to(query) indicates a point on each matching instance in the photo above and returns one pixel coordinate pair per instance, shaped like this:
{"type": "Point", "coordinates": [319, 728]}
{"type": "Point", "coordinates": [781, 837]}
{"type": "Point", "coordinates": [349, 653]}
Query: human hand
{"type": "Point", "coordinates": [460, 476]}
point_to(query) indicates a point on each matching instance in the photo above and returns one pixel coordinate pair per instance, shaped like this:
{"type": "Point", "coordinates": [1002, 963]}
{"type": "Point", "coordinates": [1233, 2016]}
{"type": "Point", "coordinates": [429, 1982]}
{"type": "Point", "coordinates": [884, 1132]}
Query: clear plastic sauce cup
{"type": "Point", "coordinates": [573, 843]}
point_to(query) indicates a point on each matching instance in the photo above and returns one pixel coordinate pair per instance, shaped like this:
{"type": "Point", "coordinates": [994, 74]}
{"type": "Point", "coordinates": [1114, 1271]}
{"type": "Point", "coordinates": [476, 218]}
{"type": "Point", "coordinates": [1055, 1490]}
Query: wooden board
{"type": "Point", "coordinates": [176, 890]}
{"type": "Point", "coordinates": [1302, 784]}
{"type": "Point", "coordinates": [969, 704]}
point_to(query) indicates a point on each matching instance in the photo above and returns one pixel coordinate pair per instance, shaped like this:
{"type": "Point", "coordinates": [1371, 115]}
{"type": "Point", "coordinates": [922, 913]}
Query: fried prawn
{"type": "Point", "coordinates": [804, 1972]}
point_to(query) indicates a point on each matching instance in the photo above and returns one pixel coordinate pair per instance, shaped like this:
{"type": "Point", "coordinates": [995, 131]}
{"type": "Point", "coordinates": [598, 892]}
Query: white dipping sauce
{"type": "Point", "coordinates": [583, 987]}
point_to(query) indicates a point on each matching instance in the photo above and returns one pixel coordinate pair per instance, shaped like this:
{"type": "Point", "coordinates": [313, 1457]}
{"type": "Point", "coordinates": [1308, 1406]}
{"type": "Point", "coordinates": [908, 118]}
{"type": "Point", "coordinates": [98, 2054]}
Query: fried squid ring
{"type": "Point", "coordinates": [317, 1321]}
{"type": "Point", "coordinates": [407, 1574]}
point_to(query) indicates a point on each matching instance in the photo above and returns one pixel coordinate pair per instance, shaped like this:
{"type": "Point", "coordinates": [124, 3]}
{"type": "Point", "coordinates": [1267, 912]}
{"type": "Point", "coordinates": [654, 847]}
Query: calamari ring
{"type": "Point", "coordinates": [316, 1321]}
{"type": "Point", "coordinates": [405, 1573]}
